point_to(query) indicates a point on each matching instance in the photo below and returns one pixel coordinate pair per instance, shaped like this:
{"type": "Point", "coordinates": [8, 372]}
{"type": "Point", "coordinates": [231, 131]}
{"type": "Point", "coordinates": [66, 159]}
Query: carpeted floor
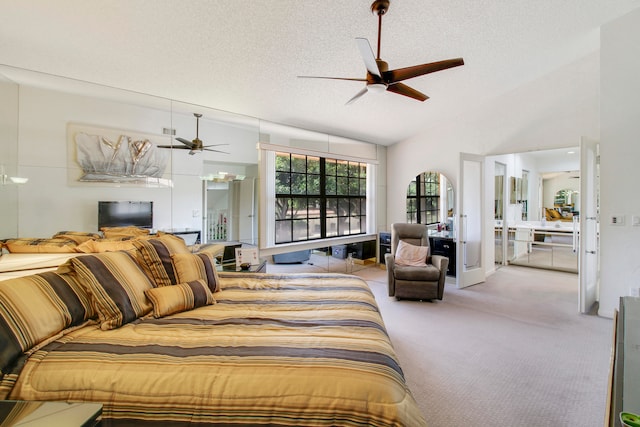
{"type": "Point", "coordinates": [512, 351]}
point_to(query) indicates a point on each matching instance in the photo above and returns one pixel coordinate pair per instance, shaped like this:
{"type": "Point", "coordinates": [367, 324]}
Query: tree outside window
{"type": "Point", "coordinates": [423, 199]}
{"type": "Point", "coordinates": [318, 197]}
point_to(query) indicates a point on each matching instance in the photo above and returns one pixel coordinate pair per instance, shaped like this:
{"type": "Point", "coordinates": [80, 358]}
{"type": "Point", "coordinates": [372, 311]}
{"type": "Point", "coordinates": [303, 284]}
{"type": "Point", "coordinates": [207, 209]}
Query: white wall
{"type": "Point", "coordinates": [619, 155]}
{"type": "Point", "coordinates": [552, 112]}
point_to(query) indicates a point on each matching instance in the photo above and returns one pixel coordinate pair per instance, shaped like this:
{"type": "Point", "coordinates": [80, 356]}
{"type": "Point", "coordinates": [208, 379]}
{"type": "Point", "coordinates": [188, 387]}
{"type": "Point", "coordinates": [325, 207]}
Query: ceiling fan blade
{"type": "Point", "coordinates": [393, 76]}
{"type": "Point", "coordinates": [179, 147]}
{"type": "Point", "coordinates": [213, 145]}
{"type": "Point", "coordinates": [367, 56]}
{"type": "Point", "coordinates": [333, 78]}
{"type": "Point", "coordinates": [357, 95]}
{"type": "Point", "coordinates": [403, 89]}
{"type": "Point", "coordinates": [217, 151]}
{"type": "Point", "coordinates": [185, 142]}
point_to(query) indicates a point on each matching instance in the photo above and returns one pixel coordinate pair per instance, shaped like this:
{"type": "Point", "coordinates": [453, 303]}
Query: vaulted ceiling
{"type": "Point", "coordinates": [244, 56]}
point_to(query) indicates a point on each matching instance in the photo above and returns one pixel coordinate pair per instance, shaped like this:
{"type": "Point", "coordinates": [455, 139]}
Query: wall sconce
{"type": "Point", "coordinates": [6, 179]}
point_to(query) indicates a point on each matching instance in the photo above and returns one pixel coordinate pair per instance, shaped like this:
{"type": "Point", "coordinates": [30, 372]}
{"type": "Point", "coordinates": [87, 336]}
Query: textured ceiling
{"type": "Point", "coordinates": [244, 56]}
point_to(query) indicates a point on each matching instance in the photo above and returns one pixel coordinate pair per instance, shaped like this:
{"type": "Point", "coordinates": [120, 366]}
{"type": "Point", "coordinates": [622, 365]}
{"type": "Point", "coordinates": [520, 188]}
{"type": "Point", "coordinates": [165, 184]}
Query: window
{"type": "Point", "coordinates": [423, 199]}
{"type": "Point", "coordinates": [318, 197]}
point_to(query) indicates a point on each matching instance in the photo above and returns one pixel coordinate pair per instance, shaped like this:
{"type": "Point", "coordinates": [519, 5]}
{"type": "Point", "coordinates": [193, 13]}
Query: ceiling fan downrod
{"type": "Point", "coordinates": [379, 7]}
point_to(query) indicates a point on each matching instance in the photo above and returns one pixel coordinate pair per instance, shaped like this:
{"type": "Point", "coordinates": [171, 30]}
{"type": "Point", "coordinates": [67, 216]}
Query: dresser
{"type": "Point", "coordinates": [442, 243]}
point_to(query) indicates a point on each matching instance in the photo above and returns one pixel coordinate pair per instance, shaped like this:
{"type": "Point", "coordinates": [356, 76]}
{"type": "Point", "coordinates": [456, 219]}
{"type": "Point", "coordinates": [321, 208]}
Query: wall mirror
{"type": "Point", "coordinates": [431, 201]}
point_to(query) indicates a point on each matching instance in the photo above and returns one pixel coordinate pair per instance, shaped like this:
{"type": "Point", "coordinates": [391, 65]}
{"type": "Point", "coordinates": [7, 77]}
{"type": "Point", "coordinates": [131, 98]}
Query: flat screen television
{"type": "Point", "coordinates": [121, 214]}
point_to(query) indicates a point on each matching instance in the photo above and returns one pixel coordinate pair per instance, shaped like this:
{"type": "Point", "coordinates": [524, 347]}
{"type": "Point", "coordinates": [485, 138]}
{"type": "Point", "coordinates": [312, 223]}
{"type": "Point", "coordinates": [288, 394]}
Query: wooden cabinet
{"type": "Point", "coordinates": [445, 246]}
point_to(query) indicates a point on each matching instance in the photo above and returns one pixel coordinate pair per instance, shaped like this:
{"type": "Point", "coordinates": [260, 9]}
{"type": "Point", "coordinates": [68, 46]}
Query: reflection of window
{"type": "Point", "coordinates": [318, 197]}
{"type": "Point", "coordinates": [423, 199]}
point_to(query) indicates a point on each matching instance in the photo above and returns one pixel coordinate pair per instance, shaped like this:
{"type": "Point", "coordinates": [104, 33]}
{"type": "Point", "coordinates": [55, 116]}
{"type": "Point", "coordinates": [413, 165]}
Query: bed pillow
{"type": "Point", "coordinates": [154, 255]}
{"type": "Point", "coordinates": [37, 307]}
{"type": "Point", "coordinates": [106, 245]}
{"type": "Point", "coordinates": [214, 249]}
{"type": "Point", "coordinates": [411, 255]}
{"type": "Point", "coordinates": [116, 284]}
{"type": "Point", "coordinates": [129, 231]}
{"type": "Point", "coordinates": [181, 297]}
{"type": "Point", "coordinates": [200, 266]}
{"type": "Point", "coordinates": [76, 236]}
{"type": "Point", "coordinates": [35, 245]}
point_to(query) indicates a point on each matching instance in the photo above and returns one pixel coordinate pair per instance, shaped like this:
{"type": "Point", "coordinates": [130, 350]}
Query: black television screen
{"type": "Point", "coordinates": [121, 214]}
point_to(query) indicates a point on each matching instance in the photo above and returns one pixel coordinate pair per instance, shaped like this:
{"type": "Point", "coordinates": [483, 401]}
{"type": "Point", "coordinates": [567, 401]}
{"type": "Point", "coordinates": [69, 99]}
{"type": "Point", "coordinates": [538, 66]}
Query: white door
{"type": "Point", "coordinates": [589, 258]}
{"type": "Point", "coordinates": [471, 263]}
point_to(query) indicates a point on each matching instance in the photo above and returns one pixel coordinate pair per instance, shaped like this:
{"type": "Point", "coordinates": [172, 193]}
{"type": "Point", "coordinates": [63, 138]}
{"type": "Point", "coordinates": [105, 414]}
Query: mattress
{"type": "Point", "coordinates": [280, 350]}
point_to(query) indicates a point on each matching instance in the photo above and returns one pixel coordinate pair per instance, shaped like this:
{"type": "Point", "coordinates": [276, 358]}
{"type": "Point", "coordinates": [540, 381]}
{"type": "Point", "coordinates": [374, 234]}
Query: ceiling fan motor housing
{"type": "Point", "coordinates": [380, 7]}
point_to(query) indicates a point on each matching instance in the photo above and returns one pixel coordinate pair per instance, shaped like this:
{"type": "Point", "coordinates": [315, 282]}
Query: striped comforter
{"type": "Point", "coordinates": [277, 350]}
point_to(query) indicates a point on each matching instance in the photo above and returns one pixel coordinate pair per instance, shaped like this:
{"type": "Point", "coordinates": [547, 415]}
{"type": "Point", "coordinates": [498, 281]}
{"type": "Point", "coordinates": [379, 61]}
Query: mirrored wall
{"type": "Point", "coordinates": [536, 218]}
{"type": "Point", "coordinates": [78, 143]}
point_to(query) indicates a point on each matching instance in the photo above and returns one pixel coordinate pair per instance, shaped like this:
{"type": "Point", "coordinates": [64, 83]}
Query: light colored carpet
{"type": "Point", "coordinates": [512, 351]}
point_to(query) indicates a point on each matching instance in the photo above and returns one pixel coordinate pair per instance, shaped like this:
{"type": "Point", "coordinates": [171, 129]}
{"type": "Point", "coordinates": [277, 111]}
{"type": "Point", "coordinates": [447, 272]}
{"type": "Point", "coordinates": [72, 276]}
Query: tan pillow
{"type": "Point", "coordinates": [214, 249]}
{"type": "Point", "coordinates": [106, 245]}
{"type": "Point", "coordinates": [25, 246]}
{"type": "Point", "coordinates": [200, 266]}
{"type": "Point", "coordinates": [117, 284]}
{"type": "Point", "coordinates": [168, 300]}
{"type": "Point", "coordinates": [154, 255]}
{"type": "Point", "coordinates": [411, 255]}
{"type": "Point", "coordinates": [113, 232]}
{"type": "Point", "coordinates": [554, 214]}
{"type": "Point", "coordinates": [77, 236]}
{"type": "Point", "coordinates": [36, 307]}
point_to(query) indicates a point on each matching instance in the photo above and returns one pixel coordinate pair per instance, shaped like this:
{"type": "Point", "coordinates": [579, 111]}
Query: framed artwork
{"type": "Point", "coordinates": [116, 156]}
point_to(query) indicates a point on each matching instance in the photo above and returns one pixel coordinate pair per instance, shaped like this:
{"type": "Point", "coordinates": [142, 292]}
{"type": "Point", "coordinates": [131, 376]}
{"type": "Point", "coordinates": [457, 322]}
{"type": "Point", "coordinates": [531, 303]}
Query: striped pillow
{"type": "Point", "coordinates": [76, 236]}
{"type": "Point", "coordinates": [116, 284]}
{"type": "Point", "coordinates": [36, 307]}
{"type": "Point", "coordinates": [182, 297]}
{"type": "Point", "coordinates": [36, 245]}
{"type": "Point", "coordinates": [200, 266]}
{"type": "Point", "coordinates": [155, 257]}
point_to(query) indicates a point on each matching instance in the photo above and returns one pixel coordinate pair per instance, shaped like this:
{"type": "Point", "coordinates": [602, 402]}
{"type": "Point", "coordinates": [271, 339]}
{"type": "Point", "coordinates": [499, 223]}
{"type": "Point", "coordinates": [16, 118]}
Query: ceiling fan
{"type": "Point", "coordinates": [195, 145]}
{"type": "Point", "coordinates": [379, 77]}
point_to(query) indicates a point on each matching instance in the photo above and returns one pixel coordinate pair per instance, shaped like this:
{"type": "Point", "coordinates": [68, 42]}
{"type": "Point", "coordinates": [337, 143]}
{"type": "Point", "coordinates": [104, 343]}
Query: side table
{"type": "Point", "coordinates": [49, 414]}
{"type": "Point", "coordinates": [231, 268]}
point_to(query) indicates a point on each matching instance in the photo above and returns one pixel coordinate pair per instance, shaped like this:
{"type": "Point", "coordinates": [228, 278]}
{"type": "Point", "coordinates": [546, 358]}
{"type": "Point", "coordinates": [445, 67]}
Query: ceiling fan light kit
{"type": "Point", "coordinates": [196, 145]}
{"type": "Point", "coordinates": [379, 78]}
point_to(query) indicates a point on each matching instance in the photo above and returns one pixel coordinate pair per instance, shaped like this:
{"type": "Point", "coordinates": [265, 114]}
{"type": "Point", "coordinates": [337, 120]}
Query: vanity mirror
{"type": "Point", "coordinates": [431, 201]}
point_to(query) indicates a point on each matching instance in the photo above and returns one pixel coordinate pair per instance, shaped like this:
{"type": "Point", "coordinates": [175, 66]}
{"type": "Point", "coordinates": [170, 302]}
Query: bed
{"type": "Point", "coordinates": [279, 350]}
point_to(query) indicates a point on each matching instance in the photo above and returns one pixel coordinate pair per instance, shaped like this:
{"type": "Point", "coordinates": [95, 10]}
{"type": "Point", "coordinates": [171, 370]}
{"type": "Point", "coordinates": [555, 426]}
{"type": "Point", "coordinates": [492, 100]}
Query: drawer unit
{"type": "Point", "coordinates": [385, 245]}
{"type": "Point", "coordinates": [445, 246]}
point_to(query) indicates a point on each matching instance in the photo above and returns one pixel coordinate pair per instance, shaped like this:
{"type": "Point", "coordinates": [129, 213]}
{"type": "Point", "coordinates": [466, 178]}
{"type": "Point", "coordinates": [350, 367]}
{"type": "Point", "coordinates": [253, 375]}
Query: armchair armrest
{"type": "Point", "coordinates": [389, 261]}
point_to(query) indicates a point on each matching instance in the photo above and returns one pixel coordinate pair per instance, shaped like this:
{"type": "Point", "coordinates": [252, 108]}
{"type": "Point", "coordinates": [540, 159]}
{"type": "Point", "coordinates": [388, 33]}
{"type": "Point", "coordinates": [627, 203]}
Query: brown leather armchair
{"type": "Point", "coordinates": [409, 282]}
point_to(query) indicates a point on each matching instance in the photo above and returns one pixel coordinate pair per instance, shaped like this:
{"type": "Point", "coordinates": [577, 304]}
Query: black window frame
{"type": "Point", "coordinates": [423, 199]}
{"type": "Point", "coordinates": [311, 194]}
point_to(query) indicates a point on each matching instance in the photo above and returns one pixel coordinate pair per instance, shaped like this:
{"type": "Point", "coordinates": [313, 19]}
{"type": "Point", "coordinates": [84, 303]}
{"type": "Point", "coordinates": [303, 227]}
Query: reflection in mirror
{"type": "Point", "coordinates": [500, 175]}
{"type": "Point", "coordinates": [8, 156]}
{"type": "Point", "coordinates": [431, 201]}
{"type": "Point", "coordinates": [230, 204]}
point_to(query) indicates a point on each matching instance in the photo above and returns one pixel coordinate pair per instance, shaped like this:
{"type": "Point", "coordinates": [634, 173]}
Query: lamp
{"type": "Point", "coordinates": [222, 177]}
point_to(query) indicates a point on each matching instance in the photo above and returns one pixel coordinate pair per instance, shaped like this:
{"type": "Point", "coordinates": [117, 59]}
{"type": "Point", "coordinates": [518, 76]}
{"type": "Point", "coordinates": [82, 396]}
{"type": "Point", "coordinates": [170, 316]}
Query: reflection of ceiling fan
{"type": "Point", "coordinates": [379, 77]}
{"type": "Point", "coordinates": [195, 145]}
